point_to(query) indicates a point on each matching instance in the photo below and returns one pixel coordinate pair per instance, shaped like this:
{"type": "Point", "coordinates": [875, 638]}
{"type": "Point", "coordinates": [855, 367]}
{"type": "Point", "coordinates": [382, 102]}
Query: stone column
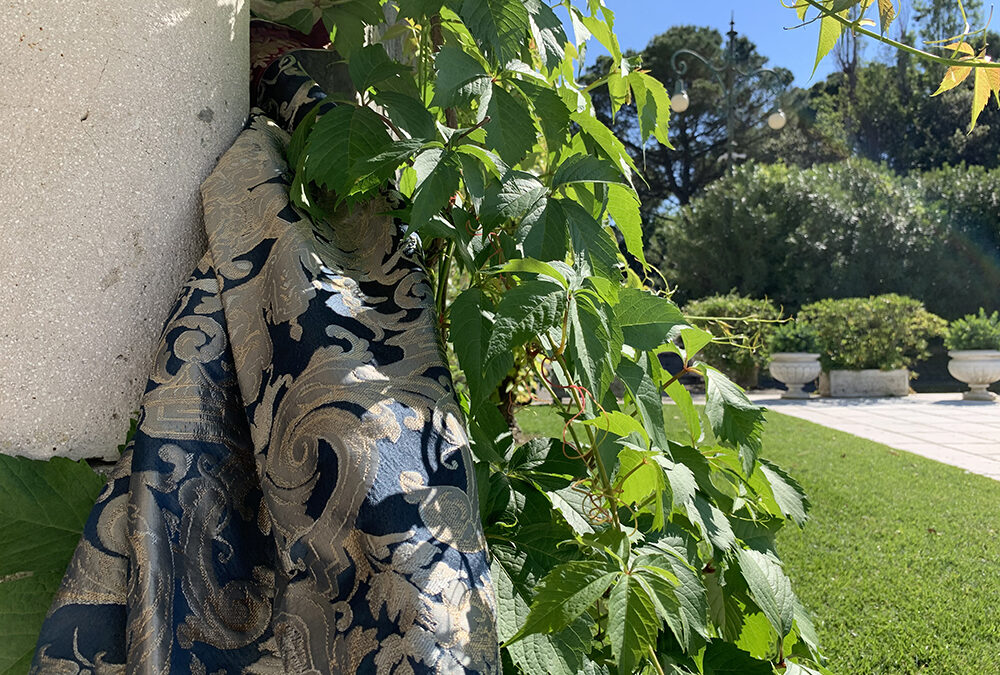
{"type": "Point", "coordinates": [112, 113]}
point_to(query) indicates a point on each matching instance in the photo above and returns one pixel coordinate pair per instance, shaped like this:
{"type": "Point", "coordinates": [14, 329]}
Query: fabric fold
{"type": "Point", "coordinates": [299, 495]}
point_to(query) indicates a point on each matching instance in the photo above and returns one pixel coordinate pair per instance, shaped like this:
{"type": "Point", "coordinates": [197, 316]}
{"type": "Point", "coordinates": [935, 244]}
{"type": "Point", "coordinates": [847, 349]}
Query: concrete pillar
{"type": "Point", "coordinates": [112, 113]}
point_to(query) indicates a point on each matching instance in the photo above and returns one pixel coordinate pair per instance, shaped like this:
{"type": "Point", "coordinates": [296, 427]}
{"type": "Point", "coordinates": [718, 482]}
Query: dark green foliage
{"type": "Point", "coordinates": [885, 331]}
{"type": "Point", "coordinates": [845, 230]}
{"type": "Point", "coordinates": [43, 509]}
{"type": "Point", "coordinates": [742, 326]}
{"type": "Point", "coordinates": [974, 331]}
{"type": "Point", "coordinates": [793, 336]}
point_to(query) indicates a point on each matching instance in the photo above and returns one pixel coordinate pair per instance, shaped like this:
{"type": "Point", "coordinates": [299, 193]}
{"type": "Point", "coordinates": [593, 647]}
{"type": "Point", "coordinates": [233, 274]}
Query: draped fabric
{"type": "Point", "coordinates": [299, 495]}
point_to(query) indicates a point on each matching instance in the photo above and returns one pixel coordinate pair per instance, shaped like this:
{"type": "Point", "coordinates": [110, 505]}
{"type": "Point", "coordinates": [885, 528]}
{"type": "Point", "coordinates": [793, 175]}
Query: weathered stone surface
{"type": "Point", "coordinates": [113, 113]}
{"type": "Point", "coordinates": [864, 383]}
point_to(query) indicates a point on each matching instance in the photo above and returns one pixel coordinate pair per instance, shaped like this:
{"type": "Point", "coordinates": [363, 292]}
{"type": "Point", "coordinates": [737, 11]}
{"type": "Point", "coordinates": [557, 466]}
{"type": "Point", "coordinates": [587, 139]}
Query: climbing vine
{"type": "Point", "coordinates": [616, 546]}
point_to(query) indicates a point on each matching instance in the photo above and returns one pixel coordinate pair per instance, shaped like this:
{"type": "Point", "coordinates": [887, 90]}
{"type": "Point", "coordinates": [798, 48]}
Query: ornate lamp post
{"type": "Point", "coordinates": [732, 79]}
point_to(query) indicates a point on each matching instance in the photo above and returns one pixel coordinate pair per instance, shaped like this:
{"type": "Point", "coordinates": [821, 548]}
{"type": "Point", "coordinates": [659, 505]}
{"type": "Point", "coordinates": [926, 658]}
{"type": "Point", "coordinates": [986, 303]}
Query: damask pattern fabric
{"type": "Point", "coordinates": [299, 495]}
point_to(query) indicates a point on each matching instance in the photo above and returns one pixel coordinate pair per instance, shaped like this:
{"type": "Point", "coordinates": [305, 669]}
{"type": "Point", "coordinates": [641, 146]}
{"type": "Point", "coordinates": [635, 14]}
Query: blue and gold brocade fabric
{"type": "Point", "coordinates": [299, 496]}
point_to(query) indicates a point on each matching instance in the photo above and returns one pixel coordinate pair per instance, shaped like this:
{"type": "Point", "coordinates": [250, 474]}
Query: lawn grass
{"type": "Point", "coordinates": [900, 561]}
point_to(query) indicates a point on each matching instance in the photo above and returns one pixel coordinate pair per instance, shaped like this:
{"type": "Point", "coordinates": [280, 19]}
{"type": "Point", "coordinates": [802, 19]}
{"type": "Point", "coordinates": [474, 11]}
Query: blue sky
{"type": "Point", "coordinates": [763, 21]}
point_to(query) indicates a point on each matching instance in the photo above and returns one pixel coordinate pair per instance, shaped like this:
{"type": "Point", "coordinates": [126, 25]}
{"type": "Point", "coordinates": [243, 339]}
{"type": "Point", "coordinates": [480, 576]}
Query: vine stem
{"type": "Point", "coordinates": [654, 660]}
{"type": "Point", "coordinates": [601, 469]}
{"type": "Point", "coordinates": [901, 46]}
{"type": "Point", "coordinates": [444, 269]}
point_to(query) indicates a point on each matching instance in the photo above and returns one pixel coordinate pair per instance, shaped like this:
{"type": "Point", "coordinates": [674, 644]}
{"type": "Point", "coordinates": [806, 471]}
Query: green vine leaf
{"type": "Point", "coordinates": [632, 622]}
{"type": "Point", "coordinates": [340, 140]}
{"type": "Point", "coordinates": [510, 131]}
{"type": "Point", "coordinates": [548, 33]}
{"type": "Point", "coordinates": [461, 79]}
{"type": "Point", "coordinates": [499, 26]}
{"type": "Point", "coordinates": [42, 514]}
{"type": "Point", "coordinates": [437, 180]}
{"type": "Point", "coordinates": [788, 494]}
{"type": "Point", "coordinates": [769, 587]}
{"type": "Point", "coordinates": [371, 65]}
{"type": "Point", "coordinates": [646, 319]}
{"type": "Point", "coordinates": [565, 593]}
{"type": "Point", "coordinates": [734, 418]}
{"type": "Point", "coordinates": [585, 169]}
{"type": "Point", "coordinates": [525, 311]}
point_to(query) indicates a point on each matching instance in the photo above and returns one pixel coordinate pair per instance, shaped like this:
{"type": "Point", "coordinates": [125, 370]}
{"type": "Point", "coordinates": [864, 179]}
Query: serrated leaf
{"type": "Point", "coordinates": [374, 171]}
{"type": "Point", "coordinates": [527, 310]}
{"type": "Point", "coordinates": [510, 199]}
{"type": "Point", "coordinates": [468, 315]}
{"type": "Point", "coordinates": [623, 206]}
{"type": "Point", "coordinates": [460, 80]}
{"type": "Point", "coordinates": [646, 319]}
{"type": "Point", "coordinates": [532, 266]}
{"type": "Point", "coordinates": [618, 423]}
{"type": "Point", "coordinates": [829, 33]}
{"type": "Point", "coordinates": [652, 107]}
{"type": "Point", "coordinates": [638, 380]}
{"type": "Point", "coordinates": [595, 344]}
{"type": "Point", "coordinates": [408, 114]}
{"type": "Point", "coordinates": [987, 82]}
{"type": "Point", "coordinates": [24, 602]}
{"type": "Point", "coordinates": [632, 622]}
{"type": "Point", "coordinates": [543, 232]}
{"type": "Point", "coordinates": [548, 33]}
{"type": "Point", "coordinates": [297, 143]}
{"type": "Point", "coordinates": [549, 110]}
{"type": "Point", "coordinates": [563, 652]}
{"type": "Point", "coordinates": [605, 34]}
{"type": "Point", "coordinates": [499, 26]}
{"type": "Point", "coordinates": [570, 503]}
{"type": "Point", "coordinates": [642, 482]}
{"type": "Point", "coordinates": [694, 339]}
{"type": "Point", "coordinates": [42, 515]}
{"type": "Point", "coordinates": [689, 622]}
{"type": "Point", "coordinates": [769, 588]}
{"type": "Point", "coordinates": [734, 418]}
{"type": "Point", "coordinates": [593, 246]}
{"type": "Point", "coordinates": [437, 180]}
{"type": "Point", "coordinates": [586, 169]}
{"type": "Point", "coordinates": [339, 140]}
{"type": "Point", "coordinates": [510, 131]}
{"type": "Point", "coordinates": [44, 508]}
{"type": "Point", "coordinates": [788, 494]}
{"type": "Point", "coordinates": [371, 65]}
{"type": "Point", "coordinates": [712, 522]}
{"type": "Point", "coordinates": [953, 77]}
{"type": "Point", "coordinates": [564, 594]}
{"type": "Point", "coordinates": [886, 14]}
{"type": "Point", "coordinates": [612, 148]}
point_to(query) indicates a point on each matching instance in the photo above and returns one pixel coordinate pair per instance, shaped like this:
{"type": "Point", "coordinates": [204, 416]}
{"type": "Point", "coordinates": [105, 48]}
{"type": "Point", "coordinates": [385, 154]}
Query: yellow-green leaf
{"type": "Point", "coordinates": [829, 33]}
{"type": "Point", "coordinates": [886, 14]}
{"type": "Point", "coordinates": [987, 82]}
{"type": "Point", "coordinates": [954, 77]}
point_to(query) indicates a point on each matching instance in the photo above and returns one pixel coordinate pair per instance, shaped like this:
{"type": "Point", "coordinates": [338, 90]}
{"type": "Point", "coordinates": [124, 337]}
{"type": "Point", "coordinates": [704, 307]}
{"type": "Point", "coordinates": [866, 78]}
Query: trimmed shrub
{"type": "Point", "coordinates": [851, 229]}
{"type": "Point", "coordinates": [742, 325]}
{"type": "Point", "coordinates": [884, 331]}
{"type": "Point", "coordinates": [974, 331]}
{"type": "Point", "coordinates": [794, 336]}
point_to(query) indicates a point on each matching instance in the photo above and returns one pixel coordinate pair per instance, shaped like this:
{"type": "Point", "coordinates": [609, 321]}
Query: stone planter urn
{"type": "Point", "coordinates": [868, 383]}
{"type": "Point", "coordinates": [978, 368]}
{"type": "Point", "coordinates": [795, 369]}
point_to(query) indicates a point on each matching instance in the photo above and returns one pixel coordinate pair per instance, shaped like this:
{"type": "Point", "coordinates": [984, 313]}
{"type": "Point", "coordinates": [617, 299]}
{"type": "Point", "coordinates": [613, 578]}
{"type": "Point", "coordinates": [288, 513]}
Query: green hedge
{"type": "Point", "coordinates": [851, 229]}
{"type": "Point", "coordinates": [885, 331]}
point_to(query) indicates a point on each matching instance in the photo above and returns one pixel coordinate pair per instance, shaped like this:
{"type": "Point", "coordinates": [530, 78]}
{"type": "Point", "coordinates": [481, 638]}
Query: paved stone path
{"type": "Point", "coordinates": [942, 427]}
